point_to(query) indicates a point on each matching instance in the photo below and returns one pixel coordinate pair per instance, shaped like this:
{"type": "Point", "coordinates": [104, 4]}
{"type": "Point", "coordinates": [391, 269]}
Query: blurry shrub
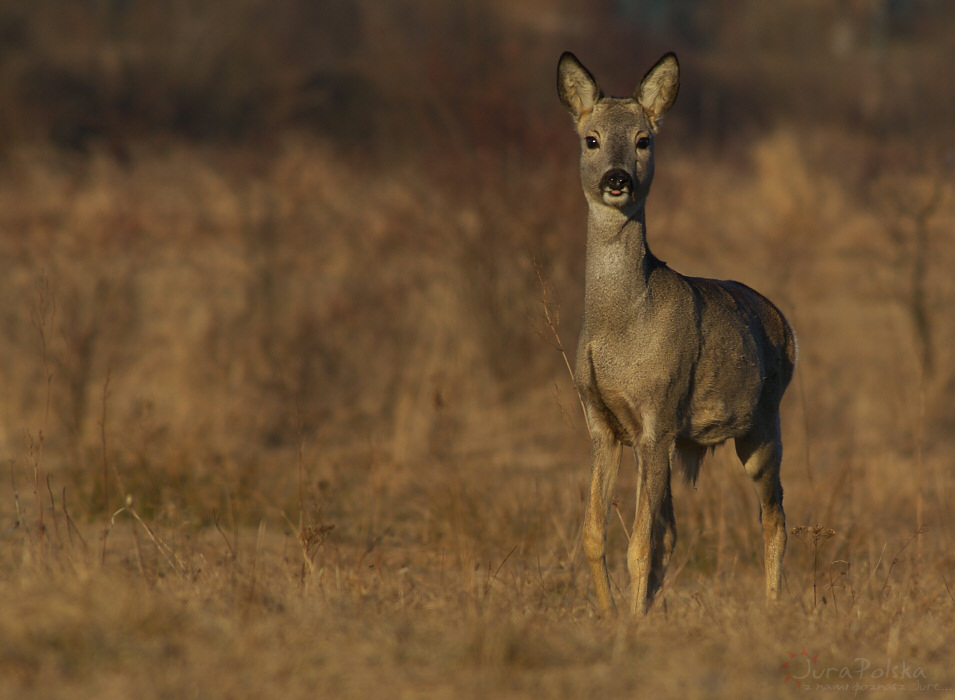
{"type": "Point", "coordinates": [366, 273]}
{"type": "Point", "coordinates": [78, 69]}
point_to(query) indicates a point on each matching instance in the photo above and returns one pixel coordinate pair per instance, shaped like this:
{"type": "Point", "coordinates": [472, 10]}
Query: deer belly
{"type": "Point", "coordinates": [715, 421]}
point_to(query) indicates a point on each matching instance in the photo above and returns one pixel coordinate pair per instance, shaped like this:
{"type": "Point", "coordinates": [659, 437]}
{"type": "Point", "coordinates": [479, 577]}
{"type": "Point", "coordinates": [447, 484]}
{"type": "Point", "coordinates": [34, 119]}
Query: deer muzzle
{"type": "Point", "coordinates": [616, 182]}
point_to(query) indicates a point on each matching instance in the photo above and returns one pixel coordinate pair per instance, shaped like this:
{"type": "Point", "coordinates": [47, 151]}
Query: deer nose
{"type": "Point", "coordinates": [616, 180]}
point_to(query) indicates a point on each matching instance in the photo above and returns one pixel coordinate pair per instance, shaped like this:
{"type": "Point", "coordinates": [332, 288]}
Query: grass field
{"type": "Point", "coordinates": [283, 409]}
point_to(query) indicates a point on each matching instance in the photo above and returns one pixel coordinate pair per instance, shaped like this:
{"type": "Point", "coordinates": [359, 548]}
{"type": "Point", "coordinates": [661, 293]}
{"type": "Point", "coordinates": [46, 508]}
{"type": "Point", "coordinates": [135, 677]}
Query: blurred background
{"type": "Point", "coordinates": [234, 232]}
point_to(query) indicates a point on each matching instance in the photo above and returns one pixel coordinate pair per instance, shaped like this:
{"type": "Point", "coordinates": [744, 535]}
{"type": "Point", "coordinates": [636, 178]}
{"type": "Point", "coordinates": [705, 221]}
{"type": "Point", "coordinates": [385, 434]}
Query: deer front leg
{"type": "Point", "coordinates": [663, 542]}
{"type": "Point", "coordinates": [606, 451]}
{"type": "Point", "coordinates": [654, 528]}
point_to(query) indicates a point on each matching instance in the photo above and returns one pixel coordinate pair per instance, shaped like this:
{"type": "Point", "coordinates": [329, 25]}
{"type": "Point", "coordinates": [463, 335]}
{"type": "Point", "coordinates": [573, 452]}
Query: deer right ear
{"type": "Point", "coordinates": [576, 86]}
{"type": "Point", "coordinates": [659, 87]}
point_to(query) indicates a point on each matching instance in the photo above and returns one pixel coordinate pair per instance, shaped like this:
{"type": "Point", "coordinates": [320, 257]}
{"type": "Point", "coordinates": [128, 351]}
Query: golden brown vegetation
{"type": "Point", "coordinates": [281, 411]}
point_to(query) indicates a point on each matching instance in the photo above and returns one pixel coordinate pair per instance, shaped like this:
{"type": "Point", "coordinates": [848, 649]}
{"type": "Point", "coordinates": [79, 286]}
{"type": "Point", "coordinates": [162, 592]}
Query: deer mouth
{"type": "Point", "coordinates": [616, 186]}
{"type": "Point", "coordinates": [616, 196]}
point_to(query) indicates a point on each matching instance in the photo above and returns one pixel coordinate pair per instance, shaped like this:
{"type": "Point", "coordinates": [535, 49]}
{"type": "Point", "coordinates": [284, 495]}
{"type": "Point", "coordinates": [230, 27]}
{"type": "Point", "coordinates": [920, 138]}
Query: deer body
{"type": "Point", "coordinates": [666, 364]}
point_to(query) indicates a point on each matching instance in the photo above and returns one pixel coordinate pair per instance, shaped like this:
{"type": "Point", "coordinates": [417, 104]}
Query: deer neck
{"type": "Point", "coordinates": [618, 263]}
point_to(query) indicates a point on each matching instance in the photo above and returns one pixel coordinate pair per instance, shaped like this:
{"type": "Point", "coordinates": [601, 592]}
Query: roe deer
{"type": "Point", "coordinates": [666, 364]}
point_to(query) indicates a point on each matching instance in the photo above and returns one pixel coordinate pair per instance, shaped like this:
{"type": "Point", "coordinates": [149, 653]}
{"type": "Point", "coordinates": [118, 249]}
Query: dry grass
{"type": "Point", "coordinates": [449, 587]}
{"type": "Point", "coordinates": [283, 415]}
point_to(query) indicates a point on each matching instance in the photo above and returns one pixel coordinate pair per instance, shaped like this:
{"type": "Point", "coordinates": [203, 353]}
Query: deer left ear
{"type": "Point", "coordinates": [576, 87]}
{"type": "Point", "coordinates": [659, 88]}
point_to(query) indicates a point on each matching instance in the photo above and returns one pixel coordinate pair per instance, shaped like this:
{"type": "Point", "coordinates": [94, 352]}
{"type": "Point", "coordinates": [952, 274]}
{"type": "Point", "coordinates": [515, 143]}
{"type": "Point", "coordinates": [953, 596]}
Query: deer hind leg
{"type": "Point", "coordinates": [606, 452]}
{"type": "Point", "coordinates": [761, 457]}
{"type": "Point", "coordinates": [654, 528]}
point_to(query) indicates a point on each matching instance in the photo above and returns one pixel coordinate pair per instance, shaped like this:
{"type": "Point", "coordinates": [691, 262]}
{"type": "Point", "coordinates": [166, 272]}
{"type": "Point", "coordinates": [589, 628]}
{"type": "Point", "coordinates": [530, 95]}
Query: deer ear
{"type": "Point", "coordinates": [659, 88]}
{"type": "Point", "coordinates": [576, 86]}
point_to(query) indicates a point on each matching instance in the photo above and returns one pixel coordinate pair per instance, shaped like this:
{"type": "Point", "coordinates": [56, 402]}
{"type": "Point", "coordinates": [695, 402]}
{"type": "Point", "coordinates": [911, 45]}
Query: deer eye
{"type": "Point", "coordinates": [592, 142]}
{"type": "Point", "coordinates": [643, 142]}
